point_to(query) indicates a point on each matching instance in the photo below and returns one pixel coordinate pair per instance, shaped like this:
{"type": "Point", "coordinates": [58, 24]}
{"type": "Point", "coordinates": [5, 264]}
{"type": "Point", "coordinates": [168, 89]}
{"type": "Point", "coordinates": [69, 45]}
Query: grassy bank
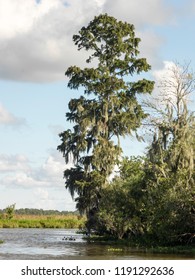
{"type": "Point", "coordinates": [42, 221]}
{"type": "Point", "coordinates": [140, 246]}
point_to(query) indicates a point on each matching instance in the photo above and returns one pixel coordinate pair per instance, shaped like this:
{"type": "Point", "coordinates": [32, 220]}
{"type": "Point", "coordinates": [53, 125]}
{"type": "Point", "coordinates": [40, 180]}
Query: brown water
{"type": "Point", "coordinates": [50, 244]}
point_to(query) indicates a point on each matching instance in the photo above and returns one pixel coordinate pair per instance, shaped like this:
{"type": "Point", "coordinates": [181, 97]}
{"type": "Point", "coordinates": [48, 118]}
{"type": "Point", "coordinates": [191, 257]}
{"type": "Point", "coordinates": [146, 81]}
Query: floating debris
{"type": "Point", "coordinates": [115, 249]}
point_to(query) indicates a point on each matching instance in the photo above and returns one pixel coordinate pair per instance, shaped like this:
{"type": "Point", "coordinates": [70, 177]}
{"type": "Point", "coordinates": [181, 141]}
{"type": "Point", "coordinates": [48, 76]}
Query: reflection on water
{"type": "Point", "coordinates": [53, 244]}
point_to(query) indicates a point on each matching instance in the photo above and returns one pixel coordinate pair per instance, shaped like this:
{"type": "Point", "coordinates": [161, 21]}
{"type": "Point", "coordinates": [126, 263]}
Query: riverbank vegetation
{"type": "Point", "coordinates": [151, 200]}
{"type": "Point", "coordinates": [39, 219]}
{"type": "Point", "coordinates": [34, 221]}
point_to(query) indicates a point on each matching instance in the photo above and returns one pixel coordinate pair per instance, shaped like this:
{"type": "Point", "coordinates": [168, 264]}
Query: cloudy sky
{"type": "Point", "coordinates": [35, 50]}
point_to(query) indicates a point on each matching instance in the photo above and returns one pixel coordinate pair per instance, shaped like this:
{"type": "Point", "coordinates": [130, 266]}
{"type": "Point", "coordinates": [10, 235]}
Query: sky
{"type": "Point", "coordinates": [36, 48]}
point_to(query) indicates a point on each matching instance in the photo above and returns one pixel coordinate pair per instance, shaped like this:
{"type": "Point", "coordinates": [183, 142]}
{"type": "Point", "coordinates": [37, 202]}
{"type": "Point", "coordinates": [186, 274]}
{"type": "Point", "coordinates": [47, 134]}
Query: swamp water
{"type": "Point", "coordinates": [54, 244]}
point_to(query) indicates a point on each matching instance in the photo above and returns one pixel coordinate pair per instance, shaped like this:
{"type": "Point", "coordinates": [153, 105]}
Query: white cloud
{"type": "Point", "coordinates": [34, 187]}
{"type": "Point", "coordinates": [36, 44]}
{"type": "Point", "coordinates": [7, 118]}
{"type": "Point", "coordinates": [149, 47]}
{"type": "Point", "coordinates": [162, 74]}
{"type": "Point", "coordinates": [12, 163]}
{"type": "Point", "coordinates": [22, 180]}
{"type": "Point", "coordinates": [52, 169]}
{"type": "Point", "coordinates": [58, 199]}
{"type": "Point", "coordinates": [36, 38]}
{"type": "Point", "coordinates": [42, 200]}
{"type": "Point", "coordinates": [17, 171]}
{"type": "Point", "coordinates": [17, 17]}
{"type": "Point", "coordinates": [41, 193]}
{"type": "Point", "coordinates": [165, 71]}
{"type": "Point", "coordinates": [166, 82]}
{"type": "Point", "coordinates": [139, 12]}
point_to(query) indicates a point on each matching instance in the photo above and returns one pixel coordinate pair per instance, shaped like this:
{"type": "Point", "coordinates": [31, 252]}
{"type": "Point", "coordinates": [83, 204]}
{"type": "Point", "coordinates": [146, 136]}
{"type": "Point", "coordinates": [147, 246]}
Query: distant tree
{"type": "Point", "coordinates": [109, 111]}
{"type": "Point", "coordinates": [10, 211]}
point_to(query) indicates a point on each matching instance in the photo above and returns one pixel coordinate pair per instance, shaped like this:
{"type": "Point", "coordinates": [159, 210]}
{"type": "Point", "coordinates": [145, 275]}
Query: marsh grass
{"type": "Point", "coordinates": [42, 221]}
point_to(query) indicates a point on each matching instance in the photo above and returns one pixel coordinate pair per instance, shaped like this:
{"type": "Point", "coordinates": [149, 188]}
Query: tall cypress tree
{"type": "Point", "coordinates": [108, 109]}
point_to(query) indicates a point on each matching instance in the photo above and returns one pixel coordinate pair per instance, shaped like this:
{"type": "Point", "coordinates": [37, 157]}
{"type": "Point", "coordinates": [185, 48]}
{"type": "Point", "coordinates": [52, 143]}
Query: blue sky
{"type": "Point", "coordinates": [35, 50]}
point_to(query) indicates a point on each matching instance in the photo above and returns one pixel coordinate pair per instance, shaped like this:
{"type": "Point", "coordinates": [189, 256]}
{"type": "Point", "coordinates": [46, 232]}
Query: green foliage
{"type": "Point", "coordinates": [122, 205]}
{"type": "Point", "coordinates": [170, 175]}
{"type": "Point", "coordinates": [109, 110]}
{"type": "Point", "coordinates": [10, 211]}
{"type": "Point", "coordinates": [25, 221]}
{"type": "Point", "coordinates": [153, 200]}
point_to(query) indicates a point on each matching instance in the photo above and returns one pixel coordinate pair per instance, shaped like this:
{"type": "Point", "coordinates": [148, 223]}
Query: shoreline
{"type": "Point", "coordinates": [42, 221]}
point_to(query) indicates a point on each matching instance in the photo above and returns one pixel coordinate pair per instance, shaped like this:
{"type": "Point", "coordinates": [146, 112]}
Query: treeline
{"type": "Point", "coordinates": [40, 212]}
